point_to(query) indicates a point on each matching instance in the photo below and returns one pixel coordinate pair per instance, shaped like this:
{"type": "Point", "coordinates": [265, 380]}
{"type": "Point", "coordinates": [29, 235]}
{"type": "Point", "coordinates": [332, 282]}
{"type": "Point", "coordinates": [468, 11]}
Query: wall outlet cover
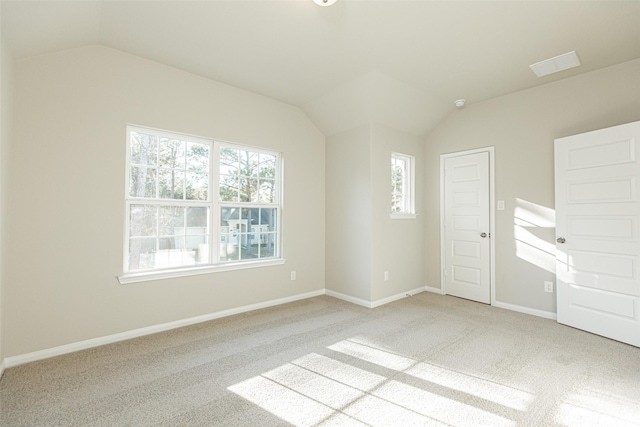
{"type": "Point", "coordinates": [548, 286]}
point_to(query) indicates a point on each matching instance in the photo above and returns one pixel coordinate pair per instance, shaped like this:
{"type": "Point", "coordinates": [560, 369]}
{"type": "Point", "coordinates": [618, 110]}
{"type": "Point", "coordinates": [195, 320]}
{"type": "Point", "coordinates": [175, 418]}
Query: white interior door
{"type": "Point", "coordinates": [598, 242]}
{"type": "Point", "coordinates": [466, 227]}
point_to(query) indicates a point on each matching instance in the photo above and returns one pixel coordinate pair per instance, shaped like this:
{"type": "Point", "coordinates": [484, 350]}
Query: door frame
{"type": "Point", "coordinates": [492, 216]}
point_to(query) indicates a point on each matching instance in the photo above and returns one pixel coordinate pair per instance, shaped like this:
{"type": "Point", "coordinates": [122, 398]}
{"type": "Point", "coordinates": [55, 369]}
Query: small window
{"type": "Point", "coordinates": [194, 202]}
{"type": "Point", "coordinates": [402, 186]}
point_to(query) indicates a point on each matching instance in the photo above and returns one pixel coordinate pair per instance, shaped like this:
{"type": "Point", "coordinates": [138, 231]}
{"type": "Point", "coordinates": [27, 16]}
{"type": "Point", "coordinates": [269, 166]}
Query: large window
{"type": "Point", "coordinates": [402, 186]}
{"type": "Point", "coordinates": [195, 202]}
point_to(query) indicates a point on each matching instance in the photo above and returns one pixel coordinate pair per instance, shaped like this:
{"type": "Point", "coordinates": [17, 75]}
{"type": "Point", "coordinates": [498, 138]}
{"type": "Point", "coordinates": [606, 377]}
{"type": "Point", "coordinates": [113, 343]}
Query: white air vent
{"type": "Point", "coordinates": [558, 63]}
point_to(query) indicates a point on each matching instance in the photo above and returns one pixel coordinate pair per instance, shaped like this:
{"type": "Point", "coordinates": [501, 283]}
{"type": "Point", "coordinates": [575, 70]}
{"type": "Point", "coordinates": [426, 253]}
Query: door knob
{"type": "Point", "coordinates": [483, 235]}
{"type": "Point", "coordinates": [560, 240]}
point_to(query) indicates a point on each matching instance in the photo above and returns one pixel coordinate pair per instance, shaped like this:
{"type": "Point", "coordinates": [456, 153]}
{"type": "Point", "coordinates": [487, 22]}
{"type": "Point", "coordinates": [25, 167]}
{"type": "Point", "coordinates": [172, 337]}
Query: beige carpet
{"type": "Point", "coordinates": [424, 360]}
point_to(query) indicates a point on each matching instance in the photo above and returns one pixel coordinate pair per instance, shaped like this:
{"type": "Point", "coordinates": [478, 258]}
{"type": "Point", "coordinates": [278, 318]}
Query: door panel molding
{"type": "Point", "coordinates": [465, 174]}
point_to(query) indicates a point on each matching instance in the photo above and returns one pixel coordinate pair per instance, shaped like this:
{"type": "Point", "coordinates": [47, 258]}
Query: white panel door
{"type": "Point", "coordinates": [598, 240]}
{"type": "Point", "coordinates": [467, 267]}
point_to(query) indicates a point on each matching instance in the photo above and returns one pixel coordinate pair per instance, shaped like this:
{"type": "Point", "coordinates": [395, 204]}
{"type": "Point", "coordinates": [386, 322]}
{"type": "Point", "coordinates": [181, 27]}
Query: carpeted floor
{"type": "Point", "coordinates": [424, 360]}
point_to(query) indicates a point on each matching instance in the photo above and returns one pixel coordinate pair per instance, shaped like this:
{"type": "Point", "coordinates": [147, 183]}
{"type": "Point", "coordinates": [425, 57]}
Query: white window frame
{"type": "Point", "coordinates": [214, 205]}
{"type": "Point", "coordinates": [408, 192]}
{"type": "Point", "coordinates": [276, 204]}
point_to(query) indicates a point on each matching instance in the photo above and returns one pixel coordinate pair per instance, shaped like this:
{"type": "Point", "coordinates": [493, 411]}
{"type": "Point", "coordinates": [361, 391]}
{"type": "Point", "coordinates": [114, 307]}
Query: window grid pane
{"type": "Point", "coordinates": [247, 176]}
{"type": "Point", "coordinates": [247, 233]}
{"type": "Point", "coordinates": [168, 168]}
{"type": "Point", "coordinates": [168, 236]}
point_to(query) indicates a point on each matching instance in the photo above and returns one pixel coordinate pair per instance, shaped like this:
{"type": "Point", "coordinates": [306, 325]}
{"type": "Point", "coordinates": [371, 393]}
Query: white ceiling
{"type": "Point", "coordinates": [399, 63]}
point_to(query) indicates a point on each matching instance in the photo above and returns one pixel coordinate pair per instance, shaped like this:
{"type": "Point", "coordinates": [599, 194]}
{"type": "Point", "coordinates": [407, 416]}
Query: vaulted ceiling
{"type": "Point", "coordinates": [399, 63]}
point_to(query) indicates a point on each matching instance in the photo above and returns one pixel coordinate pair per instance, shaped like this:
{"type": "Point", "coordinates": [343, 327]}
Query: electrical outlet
{"type": "Point", "coordinates": [548, 287]}
{"type": "Point", "coordinates": [386, 276]}
{"type": "Point", "coordinates": [293, 275]}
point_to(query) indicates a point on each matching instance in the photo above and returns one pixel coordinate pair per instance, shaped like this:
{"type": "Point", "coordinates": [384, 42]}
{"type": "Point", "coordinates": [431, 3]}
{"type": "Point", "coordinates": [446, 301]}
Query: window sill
{"type": "Point", "coordinates": [403, 216]}
{"type": "Point", "coordinates": [194, 271]}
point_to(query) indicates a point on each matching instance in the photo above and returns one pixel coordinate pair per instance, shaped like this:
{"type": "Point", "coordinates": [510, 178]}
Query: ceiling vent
{"type": "Point", "coordinates": [556, 64]}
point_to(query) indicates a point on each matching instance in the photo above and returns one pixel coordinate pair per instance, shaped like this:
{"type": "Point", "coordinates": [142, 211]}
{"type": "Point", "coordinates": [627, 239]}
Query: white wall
{"type": "Point", "coordinates": [348, 213]}
{"type": "Point", "coordinates": [398, 245]}
{"type": "Point", "coordinates": [362, 240]}
{"type": "Point", "coordinates": [522, 127]}
{"type": "Point", "coordinates": [66, 207]}
{"type": "Point", "coordinates": [66, 204]}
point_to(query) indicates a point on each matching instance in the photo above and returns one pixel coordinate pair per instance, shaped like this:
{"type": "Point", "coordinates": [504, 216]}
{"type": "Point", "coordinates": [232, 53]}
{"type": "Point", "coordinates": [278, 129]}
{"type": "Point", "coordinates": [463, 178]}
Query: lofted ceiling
{"type": "Point", "coordinates": [398, 63]}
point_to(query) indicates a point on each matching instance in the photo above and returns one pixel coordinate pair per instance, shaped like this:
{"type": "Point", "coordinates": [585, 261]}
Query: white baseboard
{"type": "Point", "coordinates": [526, 310]}
{"type": "Point", "coordinates": [434, 290]}
{"type": "Point", "coordinates": [396, 297]}
{"type": "Point", "coordinates": [377, 303]}
{"type": "Point", "coordinates": [12, 361]}
{"type": "Point", "coordinates": [507, 306]}
{"type": "Point", "coordinates": [348, 298]}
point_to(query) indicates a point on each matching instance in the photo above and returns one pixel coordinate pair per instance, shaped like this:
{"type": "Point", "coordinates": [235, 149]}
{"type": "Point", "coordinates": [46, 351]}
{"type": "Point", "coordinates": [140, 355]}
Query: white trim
{"type": "Point", "coordinates": [214, 214]}
{"type": "Point", "coordinates": [377, 303]}
{"type": "Point", "coordinates": [434, 290]}
{"type": "Point", "coordinates": [348, 298]}
{"type": "Point", "coordinates": [10, 362]}
{"type": "Point", "coordinates": [403, 216]}
{"type": "Point", "coordinates": [396, 297]}
{"type": "Point", "coordinates": [526, 310]}
{"type": "Point", "coordinates": [194, 271]}
{"type": "Point", "coordinates": [492, 216]}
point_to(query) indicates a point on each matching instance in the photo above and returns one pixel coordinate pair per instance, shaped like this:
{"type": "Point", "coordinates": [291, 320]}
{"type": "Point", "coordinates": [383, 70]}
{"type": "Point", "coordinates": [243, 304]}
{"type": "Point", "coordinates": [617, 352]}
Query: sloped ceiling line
{"type": "Point", "coordinates": [401, 64]}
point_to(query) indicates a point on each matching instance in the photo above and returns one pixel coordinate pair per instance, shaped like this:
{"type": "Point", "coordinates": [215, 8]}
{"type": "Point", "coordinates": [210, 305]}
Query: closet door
{"type": "Point", "coordinates": [466, 227]}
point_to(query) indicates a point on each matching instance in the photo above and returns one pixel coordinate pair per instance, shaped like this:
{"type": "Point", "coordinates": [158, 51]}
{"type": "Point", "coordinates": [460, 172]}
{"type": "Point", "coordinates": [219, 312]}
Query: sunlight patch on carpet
{"type": "Point", "coordinates": [341, 372]}
{"type": "Point", "coordinates": [591, 407]}
{"type": "Point", "coordinates": [282, 402]}
{"type": "Point", "coordinates": [438, 407]}
{"type": "Point", "coordinates": [373, 355]}
{"type": "Point", "coordinates": [316, 389]}
{"type": "Point", "coordinates": [488, 390]}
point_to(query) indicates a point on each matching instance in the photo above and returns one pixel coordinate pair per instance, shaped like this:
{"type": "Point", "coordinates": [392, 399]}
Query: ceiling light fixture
{"type": "Point", "coordinates": [556, 64]}
{"type": "Point", "coordinates": [324, 2]}
{"type": "Point", "coordinates": [459, 103]}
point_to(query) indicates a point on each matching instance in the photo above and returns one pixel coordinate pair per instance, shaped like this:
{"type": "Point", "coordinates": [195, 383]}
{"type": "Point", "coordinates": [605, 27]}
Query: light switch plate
{"type": "Point", "coordinates": [500, 205]}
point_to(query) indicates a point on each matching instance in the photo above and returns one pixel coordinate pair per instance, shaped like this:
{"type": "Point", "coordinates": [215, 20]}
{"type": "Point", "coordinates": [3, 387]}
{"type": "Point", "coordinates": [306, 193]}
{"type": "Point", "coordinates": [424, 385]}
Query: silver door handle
{"type": "Point", "coordinates": [560, 240]}
{"type": "Point", "coordinates": [483, 235]}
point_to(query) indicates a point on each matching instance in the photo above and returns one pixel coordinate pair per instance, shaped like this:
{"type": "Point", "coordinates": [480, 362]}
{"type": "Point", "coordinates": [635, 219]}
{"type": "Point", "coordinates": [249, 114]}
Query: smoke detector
{"type": "Point", "coordinates": [459, 103]}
